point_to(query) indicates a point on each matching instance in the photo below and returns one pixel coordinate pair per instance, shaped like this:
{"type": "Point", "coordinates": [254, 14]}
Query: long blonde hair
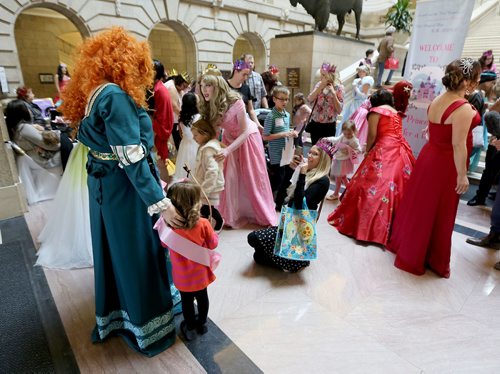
{"type": "Point", "coordinates": [323, 168]}
{"type": "Point", "coordinates": [222, 99]}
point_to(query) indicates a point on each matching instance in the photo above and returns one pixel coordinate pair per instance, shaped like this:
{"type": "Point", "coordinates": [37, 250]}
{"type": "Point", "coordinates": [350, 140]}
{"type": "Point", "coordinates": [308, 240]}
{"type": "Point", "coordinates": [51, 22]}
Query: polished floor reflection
{"type": "Point", "coordinates": [351, 311]}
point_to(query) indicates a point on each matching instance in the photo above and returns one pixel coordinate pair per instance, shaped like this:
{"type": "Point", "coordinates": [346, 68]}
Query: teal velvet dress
{"type": "Point", "coordinates": [132, 290]}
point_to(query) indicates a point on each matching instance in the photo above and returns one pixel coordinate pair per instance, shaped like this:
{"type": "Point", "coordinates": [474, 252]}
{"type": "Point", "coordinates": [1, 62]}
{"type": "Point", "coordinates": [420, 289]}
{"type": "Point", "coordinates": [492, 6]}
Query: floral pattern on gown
{"type": "Point", "coordinates": [367, 207]}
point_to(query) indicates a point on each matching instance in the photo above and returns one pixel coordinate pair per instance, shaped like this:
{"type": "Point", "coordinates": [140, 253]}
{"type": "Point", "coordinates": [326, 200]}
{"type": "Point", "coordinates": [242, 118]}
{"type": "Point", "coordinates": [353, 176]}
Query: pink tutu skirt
{"type": "Point", "coordinates": [341, 168]}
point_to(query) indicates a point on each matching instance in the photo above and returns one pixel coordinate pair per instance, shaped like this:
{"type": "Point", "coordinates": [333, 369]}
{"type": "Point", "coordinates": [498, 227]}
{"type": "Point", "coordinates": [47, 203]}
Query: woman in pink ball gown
{"type": "Point", "coordinates": [247, 195]}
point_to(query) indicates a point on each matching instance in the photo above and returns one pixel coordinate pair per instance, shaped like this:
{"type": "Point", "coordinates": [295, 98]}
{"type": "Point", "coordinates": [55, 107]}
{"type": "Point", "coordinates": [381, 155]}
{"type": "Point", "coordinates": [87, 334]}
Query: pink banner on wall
{"type": "Point", "coordinates": [438, 36]}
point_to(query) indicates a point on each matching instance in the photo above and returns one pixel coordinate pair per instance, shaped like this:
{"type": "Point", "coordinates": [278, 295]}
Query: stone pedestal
{"type": "Point", "coordinates": [308, 50]}
{"type": "Point", "coordinates": [12, 198]}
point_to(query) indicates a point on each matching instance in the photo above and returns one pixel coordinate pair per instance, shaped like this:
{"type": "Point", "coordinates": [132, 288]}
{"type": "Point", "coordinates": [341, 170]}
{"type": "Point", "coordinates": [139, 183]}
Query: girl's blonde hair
{"type": "Point", "coordinates": [186, 198]}
{"type": "Point", "coordinates": [205, 128]}
{"type": "Point", "coordinates": [323, 168]}
{"type": "Point", "coordinates": [350, 125]}
{"type": "Point", "coordinates": [223, 98]}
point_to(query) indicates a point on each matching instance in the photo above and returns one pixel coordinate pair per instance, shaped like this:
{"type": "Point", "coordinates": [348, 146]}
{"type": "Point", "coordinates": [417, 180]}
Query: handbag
{"type": "Point", "coordinates": [296, 235]}
{"type": "Point", "coordinates": [308, 126]}
{"type": "Point", "coordinates": [392, 63]}
{"type": "Point", "coordinates": [478, 137]}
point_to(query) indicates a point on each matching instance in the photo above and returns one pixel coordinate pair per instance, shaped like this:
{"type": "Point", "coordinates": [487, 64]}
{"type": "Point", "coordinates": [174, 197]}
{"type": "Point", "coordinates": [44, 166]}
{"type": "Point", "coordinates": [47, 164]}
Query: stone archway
{"type": "Point", "coordinates": [45, 36]}
{"type": "Point", "coordinates": [251, 43]}
{"type": "Point", "coordinates": [172, 44]}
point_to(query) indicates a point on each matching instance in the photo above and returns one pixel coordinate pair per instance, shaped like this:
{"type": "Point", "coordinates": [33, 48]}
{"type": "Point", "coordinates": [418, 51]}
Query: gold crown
{"type": "Point", "coordinates": [186, 76]}
{"type": "Point", "coordinates": [211, 69]}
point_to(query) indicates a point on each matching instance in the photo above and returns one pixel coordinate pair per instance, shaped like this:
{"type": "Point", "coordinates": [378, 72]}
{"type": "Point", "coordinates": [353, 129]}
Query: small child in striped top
{"type": "Point", "coordinates": [276, 129]}
{"type": "Point", "coordinates": [190, 277]}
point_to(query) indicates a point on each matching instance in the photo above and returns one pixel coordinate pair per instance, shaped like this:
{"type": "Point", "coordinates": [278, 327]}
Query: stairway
{"type": "Point", "coordinates": [484, 33]}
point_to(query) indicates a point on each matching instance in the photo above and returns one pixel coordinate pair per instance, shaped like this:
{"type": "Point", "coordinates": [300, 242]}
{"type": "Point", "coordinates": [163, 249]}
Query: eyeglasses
{"type": "Point", "coordinates": [281, 99]}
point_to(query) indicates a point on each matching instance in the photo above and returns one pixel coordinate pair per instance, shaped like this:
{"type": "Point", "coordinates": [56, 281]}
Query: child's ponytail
{"type": "Point", "coordinates": [186, 198]}
{"type": "Point", "coordinates": [192, 216]}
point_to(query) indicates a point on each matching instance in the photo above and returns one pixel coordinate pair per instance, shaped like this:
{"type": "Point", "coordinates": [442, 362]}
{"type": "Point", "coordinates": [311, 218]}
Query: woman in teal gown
{"type": "Point", "coordinates": [132, 289]}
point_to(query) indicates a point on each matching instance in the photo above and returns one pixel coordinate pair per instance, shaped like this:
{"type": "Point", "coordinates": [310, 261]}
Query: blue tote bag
{"type": "Point", "coordinates": [296, 237]}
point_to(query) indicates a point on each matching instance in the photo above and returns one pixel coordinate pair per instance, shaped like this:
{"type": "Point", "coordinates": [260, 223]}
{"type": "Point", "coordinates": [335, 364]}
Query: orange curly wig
{"type": "Point", "coordinates": [114, 56]}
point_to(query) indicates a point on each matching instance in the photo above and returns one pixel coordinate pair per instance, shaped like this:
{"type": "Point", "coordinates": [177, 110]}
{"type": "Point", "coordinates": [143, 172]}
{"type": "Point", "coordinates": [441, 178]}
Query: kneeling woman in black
{"type": "Point", "coordinates": [313, 184]}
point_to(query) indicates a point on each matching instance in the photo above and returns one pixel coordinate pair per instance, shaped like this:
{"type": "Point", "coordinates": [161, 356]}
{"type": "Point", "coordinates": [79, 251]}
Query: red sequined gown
{"type": "Point", "coordinates": [367, 207]}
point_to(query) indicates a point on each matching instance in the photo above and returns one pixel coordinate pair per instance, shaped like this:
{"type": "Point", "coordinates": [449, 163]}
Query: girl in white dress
{"type": "Point", "coordinates": [188, 147]}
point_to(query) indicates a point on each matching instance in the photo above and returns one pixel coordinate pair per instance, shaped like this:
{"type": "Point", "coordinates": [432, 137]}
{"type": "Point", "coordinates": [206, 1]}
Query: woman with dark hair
{"type": "Point", "coordinates": [271, 79]}
{"type": "Point", "coordinates": [62, 79]}
{"type": "Point", "coordinates": [241, 71]}
{"type": "Point", "coordinates": [373, 195]}
{"type": "Point", "coordinates": [421, 234]}
{"type": "Point", "coordinates": [487, 61]}
{"type": "Point", "coordinates": [26, 94]}
{"type": "Point", "coordinates": [188, 146]}
{"type": "Point", "coordinates": [48, 148]}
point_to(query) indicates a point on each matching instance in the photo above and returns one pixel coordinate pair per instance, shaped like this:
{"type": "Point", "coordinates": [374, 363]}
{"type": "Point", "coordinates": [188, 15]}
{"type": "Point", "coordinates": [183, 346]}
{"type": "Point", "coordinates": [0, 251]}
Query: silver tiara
{"type": "Point", "coordinates": [466, 64]}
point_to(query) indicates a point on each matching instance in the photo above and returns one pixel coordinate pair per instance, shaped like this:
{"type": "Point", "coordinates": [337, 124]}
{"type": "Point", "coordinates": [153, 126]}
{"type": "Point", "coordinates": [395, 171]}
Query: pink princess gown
{"type": "Point", "coordinates": [247, 195]}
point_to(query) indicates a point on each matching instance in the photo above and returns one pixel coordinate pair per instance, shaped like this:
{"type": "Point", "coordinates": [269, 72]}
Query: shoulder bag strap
{"type": "Point", "coordinates": [312, 111]}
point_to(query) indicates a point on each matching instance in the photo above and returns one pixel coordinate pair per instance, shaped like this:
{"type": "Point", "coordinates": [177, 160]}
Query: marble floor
{"type": "Point", "coordinates": [351, 311]}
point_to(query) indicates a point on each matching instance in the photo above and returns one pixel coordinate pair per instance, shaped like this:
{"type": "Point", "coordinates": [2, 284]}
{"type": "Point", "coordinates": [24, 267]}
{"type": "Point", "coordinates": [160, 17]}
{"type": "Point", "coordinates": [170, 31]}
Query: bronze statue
{"type": "Point", "coordinates": [320, 10]}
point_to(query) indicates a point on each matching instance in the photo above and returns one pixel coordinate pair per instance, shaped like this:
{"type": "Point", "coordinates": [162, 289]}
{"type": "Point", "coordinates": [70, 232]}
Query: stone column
{"type": "Point", "coordinates": [12, 197]}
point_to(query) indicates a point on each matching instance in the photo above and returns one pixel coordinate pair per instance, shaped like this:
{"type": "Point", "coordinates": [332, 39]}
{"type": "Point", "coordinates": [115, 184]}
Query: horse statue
{"type": "Point", "coordinates": [320, 10]}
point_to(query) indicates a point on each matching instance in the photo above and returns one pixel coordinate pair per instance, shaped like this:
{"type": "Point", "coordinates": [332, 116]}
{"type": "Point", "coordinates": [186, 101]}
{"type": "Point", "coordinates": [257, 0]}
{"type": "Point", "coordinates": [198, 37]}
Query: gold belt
{"type": "Point", "coordinates": [103, 156]}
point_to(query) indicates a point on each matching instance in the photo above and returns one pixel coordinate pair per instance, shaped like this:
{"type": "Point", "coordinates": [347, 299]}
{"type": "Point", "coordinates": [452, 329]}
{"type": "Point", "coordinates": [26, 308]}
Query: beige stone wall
{"type": "Point", "coordinates": [241, 46]}
{"type": "Point", "coordinates": [168, 47]}
{"type": "Point", "coordinates": [41, 48]}
{"type": "Point", "coordinates": [315, 48]}
{"type": "Point", "coordinates": [208, 31]}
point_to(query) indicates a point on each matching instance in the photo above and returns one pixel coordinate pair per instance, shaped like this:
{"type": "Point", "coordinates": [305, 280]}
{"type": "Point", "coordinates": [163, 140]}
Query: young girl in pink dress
{"type": "Point", "coordinates": [247, 197]}
{"type": "Point", "coordinates": [346, 154]}
{"type": "Point", "coordinates": [191, 252]}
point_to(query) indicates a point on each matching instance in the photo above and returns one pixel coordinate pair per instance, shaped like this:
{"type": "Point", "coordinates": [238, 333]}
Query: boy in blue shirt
{"type": "Point", "coordinates": [276, 130]}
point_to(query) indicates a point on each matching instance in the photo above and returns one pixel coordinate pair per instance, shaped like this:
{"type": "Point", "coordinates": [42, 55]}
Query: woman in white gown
{"type": "Point", "coordinates": [188, 147]}
{"type": "Point", "coordinates": [65, 239]}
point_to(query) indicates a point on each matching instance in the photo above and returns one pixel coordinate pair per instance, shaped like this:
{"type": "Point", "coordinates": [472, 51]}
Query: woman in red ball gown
{"type": "Point", "coordinates": [421, 235]}
{"type": "Point", "coordinates": [367, 207]}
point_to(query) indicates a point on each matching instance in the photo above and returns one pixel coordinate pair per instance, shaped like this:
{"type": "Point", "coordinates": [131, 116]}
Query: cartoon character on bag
{"type": "Point", "coordinates": [291, 229]}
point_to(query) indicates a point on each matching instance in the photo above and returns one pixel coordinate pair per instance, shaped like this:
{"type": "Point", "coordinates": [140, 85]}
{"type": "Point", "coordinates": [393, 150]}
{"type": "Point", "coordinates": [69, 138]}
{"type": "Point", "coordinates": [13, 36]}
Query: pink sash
{"type": "Point", "coordinates": [186, 247]}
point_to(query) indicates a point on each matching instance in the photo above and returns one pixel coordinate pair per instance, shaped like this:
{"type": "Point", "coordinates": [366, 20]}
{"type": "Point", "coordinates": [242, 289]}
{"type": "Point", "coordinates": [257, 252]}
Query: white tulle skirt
{"type": "Point", "coordinates": [66, 241]}
{"type": "Point", "coordinates": [186, 155]}
{"type": "Point", "coordinates": [39, 183]}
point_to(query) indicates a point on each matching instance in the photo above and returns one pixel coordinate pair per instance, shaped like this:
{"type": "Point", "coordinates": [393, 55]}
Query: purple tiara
{"type": "Point", "coordinates": [240, 65]}
{"type": "Point", "coordinates": [326, 146]}
{"type": "Point", "coordinates": [327, 68]}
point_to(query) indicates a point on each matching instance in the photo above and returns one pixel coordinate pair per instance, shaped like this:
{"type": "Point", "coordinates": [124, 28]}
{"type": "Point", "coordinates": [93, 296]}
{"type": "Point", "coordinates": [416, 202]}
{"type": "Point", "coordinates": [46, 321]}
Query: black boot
{"type": "Point", "coordinates": [492, 240]}
{"type": "Point", "coordinates": [475, 201]}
